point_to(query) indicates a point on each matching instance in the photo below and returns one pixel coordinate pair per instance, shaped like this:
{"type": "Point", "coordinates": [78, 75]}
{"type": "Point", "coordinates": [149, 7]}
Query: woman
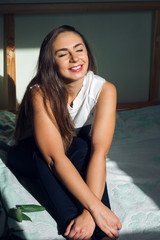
{"type": "Point", "coordinates": [56, 114]}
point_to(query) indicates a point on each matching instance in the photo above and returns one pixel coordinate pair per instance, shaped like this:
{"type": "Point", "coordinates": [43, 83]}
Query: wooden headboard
{"type": "Point", "coordinates": [8, 11]}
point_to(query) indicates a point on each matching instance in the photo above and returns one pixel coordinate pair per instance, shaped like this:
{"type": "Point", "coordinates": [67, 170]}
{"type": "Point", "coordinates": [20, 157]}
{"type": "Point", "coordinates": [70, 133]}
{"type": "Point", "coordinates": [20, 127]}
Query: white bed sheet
{"type": "Point", "coordinates": [133, 178]}
{"type": "Point", "coordinates": [133, 173]}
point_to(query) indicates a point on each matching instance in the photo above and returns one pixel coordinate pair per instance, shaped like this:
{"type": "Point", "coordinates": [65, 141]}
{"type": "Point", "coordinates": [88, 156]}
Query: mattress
{"type": "Point", "coordinates": [133, 179]}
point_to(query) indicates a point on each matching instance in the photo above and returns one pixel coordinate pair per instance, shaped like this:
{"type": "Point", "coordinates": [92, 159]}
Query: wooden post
{"type": "Point", "coordinates": [9, 55]}
{"type": "Point", "coordinates": [155, 74]}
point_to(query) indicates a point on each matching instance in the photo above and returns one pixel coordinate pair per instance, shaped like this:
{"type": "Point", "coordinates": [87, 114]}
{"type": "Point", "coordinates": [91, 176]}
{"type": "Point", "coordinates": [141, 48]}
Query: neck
{"type": "Point", "coordinates": [73, 89]}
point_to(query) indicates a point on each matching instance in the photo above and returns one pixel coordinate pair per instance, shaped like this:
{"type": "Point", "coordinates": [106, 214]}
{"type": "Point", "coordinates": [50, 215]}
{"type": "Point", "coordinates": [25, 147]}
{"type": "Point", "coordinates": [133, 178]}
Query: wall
{"type": "Point", "coordinates": [66, 1]}
{"type": "Point", "coordinates": [121, 43]}
{"type": "Point", "coordinates": [3, 87]}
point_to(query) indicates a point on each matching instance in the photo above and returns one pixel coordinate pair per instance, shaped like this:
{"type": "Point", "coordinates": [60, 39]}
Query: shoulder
{"type": "Point", "coordinates": [108, 95]}
{"type": "Point", "coordinates": [37, 98]}
{"type": "Point", "coordinates": [99, 82]}
{"type": "Point", "coordinates": [109, 88]}
{"type": "Point", "coordinates": [36, 93]}
{"type": "Point", "coordinates": [41, 105]}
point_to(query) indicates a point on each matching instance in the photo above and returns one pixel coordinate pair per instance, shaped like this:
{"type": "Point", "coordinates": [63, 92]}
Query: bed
{"type": "Point", "coordinates": [133, 178]}
{"type": "Point", "coordinates": [133, 162]}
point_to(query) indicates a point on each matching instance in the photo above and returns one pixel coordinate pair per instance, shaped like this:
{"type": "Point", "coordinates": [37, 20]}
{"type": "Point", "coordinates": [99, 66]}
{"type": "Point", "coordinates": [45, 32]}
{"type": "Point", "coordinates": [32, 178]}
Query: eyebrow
{"type": "Point", "coordinates": [66, 49]}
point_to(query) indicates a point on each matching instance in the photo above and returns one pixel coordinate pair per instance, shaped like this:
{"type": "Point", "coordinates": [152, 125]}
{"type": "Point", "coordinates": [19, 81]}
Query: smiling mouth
{"type": "Point", "coordinates": [76, 68]}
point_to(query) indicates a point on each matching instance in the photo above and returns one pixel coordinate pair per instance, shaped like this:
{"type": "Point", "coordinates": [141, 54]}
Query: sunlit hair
{"type": "Point", "coordinates": [53, 90]}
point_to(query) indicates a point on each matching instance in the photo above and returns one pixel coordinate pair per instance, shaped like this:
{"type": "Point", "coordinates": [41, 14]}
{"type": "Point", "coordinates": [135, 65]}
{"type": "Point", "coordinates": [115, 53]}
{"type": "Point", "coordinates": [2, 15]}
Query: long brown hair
{"type": "Point", "coordinates": [53, 89]}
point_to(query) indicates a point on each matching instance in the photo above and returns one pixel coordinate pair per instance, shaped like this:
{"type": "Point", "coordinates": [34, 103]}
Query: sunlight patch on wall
{"type": "Point", "coordinates": [1, 63]}
{"type": "Point", "coordinates": [2, 87]}
{"type": "Point", "coordinates": [26, 62]}
{"type": "Point", "coordinates": [1, 79]}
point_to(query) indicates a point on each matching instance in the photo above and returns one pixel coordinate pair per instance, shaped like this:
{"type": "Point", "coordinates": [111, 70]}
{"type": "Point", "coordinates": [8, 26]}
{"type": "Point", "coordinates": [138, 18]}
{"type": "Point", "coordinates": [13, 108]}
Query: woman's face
{"type": "Point", "coordinates": [71, 56]}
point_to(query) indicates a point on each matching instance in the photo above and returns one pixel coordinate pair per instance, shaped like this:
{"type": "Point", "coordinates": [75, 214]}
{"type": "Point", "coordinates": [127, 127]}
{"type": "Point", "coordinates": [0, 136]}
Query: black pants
{"type": "Point", "coordinates": [26, 159]}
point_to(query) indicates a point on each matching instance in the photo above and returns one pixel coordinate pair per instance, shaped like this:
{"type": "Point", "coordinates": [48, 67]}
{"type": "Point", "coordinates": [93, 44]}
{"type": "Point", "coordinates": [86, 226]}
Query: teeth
{"type": "Point", "coordinates": [75, 68]}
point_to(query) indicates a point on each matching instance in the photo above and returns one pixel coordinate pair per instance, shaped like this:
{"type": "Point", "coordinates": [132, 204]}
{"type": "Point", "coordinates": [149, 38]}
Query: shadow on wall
{"type": "Point", "coordinates": [3, 102]}
{"type": "Point", "coordinates": [8, 100]}
{"type": "Point", "coordinates": [12, 102]}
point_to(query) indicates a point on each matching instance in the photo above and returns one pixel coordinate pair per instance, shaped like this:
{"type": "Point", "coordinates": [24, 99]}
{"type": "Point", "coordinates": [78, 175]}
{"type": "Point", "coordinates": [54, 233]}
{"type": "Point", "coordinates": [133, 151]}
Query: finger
{"type": "Point", "coordinates": [68, 229]}
{"type": "Point", "coordinates": [119, 226]}
{"type": "Point", "coordinates": [87, 238]}
{"type": "Point", "coordinates": [115, 233]}
{"type": "Point", "coordinates": [86, 235]}
{"type": "Point", "coordinates": [111, 234]}
{"type": "Point", "coordinates": [76, 234]}
{"type": "Point", "coordinates": [82, 237]}
{"type": "Point", "coordinates": [72, 233]}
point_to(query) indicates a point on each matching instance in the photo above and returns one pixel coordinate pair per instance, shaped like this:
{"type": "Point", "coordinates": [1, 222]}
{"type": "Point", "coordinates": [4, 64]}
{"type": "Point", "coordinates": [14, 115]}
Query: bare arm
{"type": "Point", "coordinates": [50, 144]}
{"type": "Point", "coordinates": [102, 134]}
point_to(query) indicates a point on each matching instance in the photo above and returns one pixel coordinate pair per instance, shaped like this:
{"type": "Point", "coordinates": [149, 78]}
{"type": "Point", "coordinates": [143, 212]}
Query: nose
{"type": "Point", "coordinates": [73, 57]}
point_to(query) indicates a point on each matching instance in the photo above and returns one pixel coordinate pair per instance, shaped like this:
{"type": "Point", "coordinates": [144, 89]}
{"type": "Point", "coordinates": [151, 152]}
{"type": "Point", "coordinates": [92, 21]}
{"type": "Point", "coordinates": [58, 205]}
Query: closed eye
{"type": "Point", "coordinates": [79, 50]}
{"type": "Point", "coordinates": [62, 55]}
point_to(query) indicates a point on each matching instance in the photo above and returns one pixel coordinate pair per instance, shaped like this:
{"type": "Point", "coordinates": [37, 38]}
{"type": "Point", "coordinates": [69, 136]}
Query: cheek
{"type": "Point", "coordinates": [86, 59]}
{"type": "Point", "coordinates": [61, 65]}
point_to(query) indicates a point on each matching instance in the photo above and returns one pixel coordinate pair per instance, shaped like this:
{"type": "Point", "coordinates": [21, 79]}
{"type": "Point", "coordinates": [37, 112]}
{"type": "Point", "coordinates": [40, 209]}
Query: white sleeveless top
{"type": "Point", "coordinates": [82, 110]}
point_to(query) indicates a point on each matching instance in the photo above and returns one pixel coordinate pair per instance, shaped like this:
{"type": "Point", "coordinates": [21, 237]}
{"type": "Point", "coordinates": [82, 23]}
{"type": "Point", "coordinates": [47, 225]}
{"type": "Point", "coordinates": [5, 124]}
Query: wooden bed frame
{"type": "Point", "coordinates": [9, 10]}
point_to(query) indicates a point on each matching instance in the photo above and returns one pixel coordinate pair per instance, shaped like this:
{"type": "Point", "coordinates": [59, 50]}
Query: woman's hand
{"type": "Point", "coordinates": [107, 221]}
{"type": "Point", "coordinates": [81, 227]}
